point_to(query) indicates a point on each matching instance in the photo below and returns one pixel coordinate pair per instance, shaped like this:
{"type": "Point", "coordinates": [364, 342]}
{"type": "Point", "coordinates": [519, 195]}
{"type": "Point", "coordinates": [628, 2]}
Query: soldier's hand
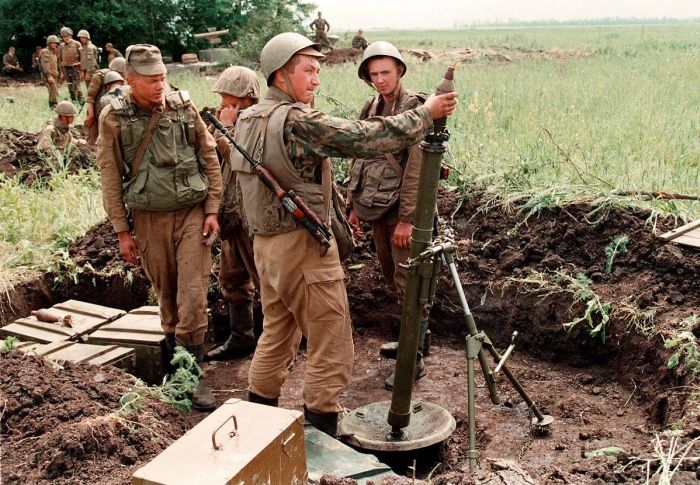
{"type": "Point", "coordinates": [356, 224]}
{"type": "Point", "coordinates": [402, 235]}
{"type": "Point", "coordinates": [88, 121]}
{"type": "Point", "coordinates": [50, 80]}
{"type": "Point", "coordinates": [228, 114]}
{"type": "Point", "coordinates": [441, 105]}
{"type": "Point", "coordinates": [211, 229]}
{"type": "Point", "coordinates": [128, 249]}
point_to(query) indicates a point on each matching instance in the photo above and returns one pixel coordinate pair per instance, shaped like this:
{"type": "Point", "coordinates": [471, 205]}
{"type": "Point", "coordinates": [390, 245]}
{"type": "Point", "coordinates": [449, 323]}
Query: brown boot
{"type": "Point", "coordinates": [202, 398]}
{"type": "Point", "coordinates": [325, 422]}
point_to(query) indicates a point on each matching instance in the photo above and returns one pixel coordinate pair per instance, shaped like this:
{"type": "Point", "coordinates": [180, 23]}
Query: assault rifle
{"type": "Point", "coordinates": [291, 202]}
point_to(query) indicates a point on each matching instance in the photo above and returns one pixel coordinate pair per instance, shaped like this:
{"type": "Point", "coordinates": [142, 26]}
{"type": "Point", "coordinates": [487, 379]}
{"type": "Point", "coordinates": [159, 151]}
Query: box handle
{"type": "Point", "coordinates": [231, 434]}
{"type": "Point", "coordinates": [285, 444]}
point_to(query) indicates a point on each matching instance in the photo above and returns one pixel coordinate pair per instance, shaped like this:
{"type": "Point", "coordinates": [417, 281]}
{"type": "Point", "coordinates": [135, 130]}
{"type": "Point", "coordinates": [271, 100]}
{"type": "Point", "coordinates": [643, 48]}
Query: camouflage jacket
{"type": "Point", "coordinates": [89, 58]}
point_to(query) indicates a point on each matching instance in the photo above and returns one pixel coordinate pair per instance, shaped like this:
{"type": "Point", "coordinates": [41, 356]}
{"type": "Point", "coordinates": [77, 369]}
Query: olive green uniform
{"type": "Point", "coordinates": [55, 135]}
{"type": "Point", "coordinates": [359, 42]}
{"type": "Point", "coordinates": [89, 61]}
{"type": "Point", "coordinates": [69, 61]}
{"type": "Point", "coordinates": [48, 60]}
{"type": "Point", "coordinates": [320, 27]}
{"type": "Point", "coordinates": [300, 288]}
{"type": "Point", "coordinates": [177, 184]}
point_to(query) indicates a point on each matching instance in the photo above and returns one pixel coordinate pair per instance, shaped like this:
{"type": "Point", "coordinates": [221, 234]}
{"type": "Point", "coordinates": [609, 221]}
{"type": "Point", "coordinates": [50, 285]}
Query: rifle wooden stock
{"type": "Point", "coordinates": [291, 202]}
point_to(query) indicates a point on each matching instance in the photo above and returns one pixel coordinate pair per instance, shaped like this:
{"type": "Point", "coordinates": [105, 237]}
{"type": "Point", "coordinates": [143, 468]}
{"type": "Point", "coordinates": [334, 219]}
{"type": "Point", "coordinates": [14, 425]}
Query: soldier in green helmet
{"type": "Point", "coordinates": [89, 57]}
{"type": "Point", "coordinates": [383, 190]}
{"type": "Point", "coordinates": [69, 62]}
{"type": "Point", "coordinates": [302, 281]}
{"type": "Point", "coordinates": [48, 63]}
{"type": "Point", "coordinates": [56, 135]}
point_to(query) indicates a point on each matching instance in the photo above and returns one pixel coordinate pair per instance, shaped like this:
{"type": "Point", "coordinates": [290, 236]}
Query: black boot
{"type": "Point", "coordinates": [325, 422]}
{"type": "Point", "coordinates": [202, 398]}
{"type": "Point", "coordinates": [252, 397]}
{"type": "Point", "coordinates": [419, 370]}
{"type": "Point", "coordinates": [52, 105]}
{"type": "Point", "coordinates": [168, 351]}
{"type": "Point", "coordinates": [390, 349]}
{"type": "Point", "coordinates": [241, 342]}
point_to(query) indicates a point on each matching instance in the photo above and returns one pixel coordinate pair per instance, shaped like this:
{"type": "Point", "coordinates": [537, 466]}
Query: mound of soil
{"type": "Point", "coordinates": [601, 393]}
{"type": "Point", "coordinates": [342, 55]}
{"type": "Point", "coordinates": [18, 156]}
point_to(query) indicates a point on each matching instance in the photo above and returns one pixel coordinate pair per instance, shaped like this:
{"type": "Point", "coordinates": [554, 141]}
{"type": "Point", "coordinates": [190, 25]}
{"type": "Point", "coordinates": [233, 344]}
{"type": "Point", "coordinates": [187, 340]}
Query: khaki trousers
{"type": "Point", "coordinates": [53, 91]}
{"type": "Point", "coordinates": [235, 279]}
{"type": "Point", "coordinates": [301, 290]}
{"type": "Point", "coordinates": [178, 266]}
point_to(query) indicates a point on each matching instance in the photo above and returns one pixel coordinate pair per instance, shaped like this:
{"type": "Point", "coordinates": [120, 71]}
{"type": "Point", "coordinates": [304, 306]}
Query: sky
{"type": "Point", "coordinates": [407, 14]}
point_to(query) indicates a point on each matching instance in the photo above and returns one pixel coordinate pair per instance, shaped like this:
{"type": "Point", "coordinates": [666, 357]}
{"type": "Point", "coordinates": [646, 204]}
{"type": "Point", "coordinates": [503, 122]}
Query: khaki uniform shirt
{"type": "Point", "coordinates": [359, 42]}
{"type": "Point", "coordinates": [49, 62]}
{"type": "Point", "coordinates": [109, 157]}
{"type": "Point", "coordinates": [320, 25]}
{"type": "Point", "coordinates": [113, 55]}
{"type": "Point", "coordinates": [55, 134]}
{"type": "Point", "coordinates": [89, 58]}
{"type": "Point", "coordinates": [10, 59]}
{"type": "Point", "coordinates": [69, 53]}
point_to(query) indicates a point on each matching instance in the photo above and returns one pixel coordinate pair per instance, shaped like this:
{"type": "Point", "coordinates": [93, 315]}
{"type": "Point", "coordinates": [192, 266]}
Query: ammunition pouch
{"type": "Point", "coordinates": [375, 188]}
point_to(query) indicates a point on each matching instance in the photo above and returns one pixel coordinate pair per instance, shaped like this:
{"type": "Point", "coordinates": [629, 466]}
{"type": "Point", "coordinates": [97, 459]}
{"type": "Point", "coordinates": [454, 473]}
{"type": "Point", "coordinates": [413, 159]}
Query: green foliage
{"type": "Point", "coordinates": [175, 389]}
{"type": "Point", "coordinates": [685, 347]}
{"type": "Point", "coordinates": [617, 246]}
{"type": "Point", "coordinates": [597, 312]}
{"type": "Point", "coordinates": [8, 344]}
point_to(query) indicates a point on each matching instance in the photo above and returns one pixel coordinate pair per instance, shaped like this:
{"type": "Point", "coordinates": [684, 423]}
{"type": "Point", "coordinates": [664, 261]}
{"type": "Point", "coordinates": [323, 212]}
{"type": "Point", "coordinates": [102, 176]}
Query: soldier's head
{"type": "Point", "coordinates": [52, 41]}
{"type": "Point", "coordinates": [118, 64]}
{"type": "Point", "coordinates": [238, 87]}
{"type": "Point", "coordinates": [360, 31]}
{"type": "Point", "coordinates": [319, 15]}
{"type": "Point", "coordinates": [382, 67]}
{"type": "Point", "coordinates": [11, 51]}
{"type": "Point", "coordinates": [111, 80]}
{"type": "Point", "coordinates": [66, 112]}
{"type": "Point", "coordinates": [109, 47]}
{"type": "Point", "coordinates": [290, 62]}
{"type": "Point", "coordinates": [145, 73]}
{"type": "Point", "coordinates": [83, 36]}
{"type": "Point", "coordinates": [66, 34]}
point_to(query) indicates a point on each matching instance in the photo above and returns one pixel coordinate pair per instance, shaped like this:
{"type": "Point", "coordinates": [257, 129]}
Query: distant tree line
{"type": "Point", "coordinates": [583, 22]}
{"type": "Point", "coordinates": [169, 24]}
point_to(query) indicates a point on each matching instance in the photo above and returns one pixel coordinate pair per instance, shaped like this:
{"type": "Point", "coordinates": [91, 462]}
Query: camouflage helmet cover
{"type": "Point", "coordinates": [118, 64]}
{"type": "Point", "coordinates": [83, 33]}
{"type": "Point", "coordinates": [238, 81]}
{"type": "Point", "coordinates": [379, 48]}
{"type": "Point", "coordinates": [52, 39]}
{"type": "Point", "coordinates": [66, 31]}
{"type": "Point", "coordinates": [281, 48]}
{"type": "Point", "coordinates": [65, 108]}
{"type": "Point", "coordinates": [111, 77]}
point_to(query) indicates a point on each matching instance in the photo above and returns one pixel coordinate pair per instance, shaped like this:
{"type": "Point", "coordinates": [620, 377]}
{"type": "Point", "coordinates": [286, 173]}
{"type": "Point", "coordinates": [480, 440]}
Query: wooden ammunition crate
{"type": "Point", "coordinates": [240, 443]}
{"type": "Point", "coordinates": [86, 317]}
{"type": "Point", "coordinates": [140, 330]}
{"type": "Point", "coordinates": [64, 351]}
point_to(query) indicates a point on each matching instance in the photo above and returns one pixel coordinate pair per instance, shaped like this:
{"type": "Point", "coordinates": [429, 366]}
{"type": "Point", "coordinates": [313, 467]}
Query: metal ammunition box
{"type": "Point", "coordinates": [240, 443]}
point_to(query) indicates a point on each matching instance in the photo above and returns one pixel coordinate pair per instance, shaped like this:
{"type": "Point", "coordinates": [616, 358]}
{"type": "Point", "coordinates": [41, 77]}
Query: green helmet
{"type": "Point", "coordinates": [281, 48]}
{"type": "Point", "coordinates": [111, 77]}
{"type": "Point", "coordinates": [65, 108]}
{"type": "Point", "coordinates": [52, 39]}
{"type": "Point", "coordinates": [238, 81]}
{"type": "Point", "coordinates": [378, 49]}
{"type": "Point", "coordinates": [118, 64]}
{"type": "Point", "coordinates": [66, 31]}
{"type": "Point", "coordinates": [83, 33]}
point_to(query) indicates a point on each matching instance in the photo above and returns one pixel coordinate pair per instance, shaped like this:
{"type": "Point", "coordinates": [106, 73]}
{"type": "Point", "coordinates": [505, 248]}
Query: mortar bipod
{"type": "Point", "coordinates": [475, 344]}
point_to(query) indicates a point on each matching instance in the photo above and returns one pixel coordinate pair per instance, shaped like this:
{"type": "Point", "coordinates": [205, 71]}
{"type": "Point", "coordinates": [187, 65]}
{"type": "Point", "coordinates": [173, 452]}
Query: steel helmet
{"type": "Point", "coordinates": [66, 31]}
{"type": "Point", "coordinates": [65, 108]}
{"type": "Point", "coordinates": [378, 49]}
{"type": "Point", "coordinates": [52, 39]}
{"type": "Point", "coordinates": [83, 33]}
{"type": "Point", "coordinates": [111, 77]}
{"type": "Point", "coordinates": [238, 81]}
{"type": "Point", "coordinates": [118, 64]}
{"type": "Point", "coordinates": [281, 48]}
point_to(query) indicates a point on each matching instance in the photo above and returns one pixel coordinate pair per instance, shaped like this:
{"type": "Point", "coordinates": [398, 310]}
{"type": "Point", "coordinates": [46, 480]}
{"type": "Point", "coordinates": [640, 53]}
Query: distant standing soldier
{"type": "Point", "coordinates": [112, 52]}
{"type": "Point", "coordinates": [360, 41]}
{"type": "Point", "coordinates": [56, 133]}
{"type": "Point", "coordinates": [10, 64]}
{"type": "Point", "coordinates": [239, 89]}
{"type": "Point", "coordinates": [96, 92]}
{"type": "Point", "coordinates": [89, 57]}
{"type": "Point", "coordinates": [321, 27]}
{"type": "Point", "coordinates": [48, 63]}
{"type": "Point", "coordinates": [36, 63]}
{"type": "Point", "coordinates": [69, 61]}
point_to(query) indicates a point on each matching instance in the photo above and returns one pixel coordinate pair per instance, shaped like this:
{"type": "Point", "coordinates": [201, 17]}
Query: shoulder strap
{"type": "Point", "coordinates": [394, 164]}
{"type": "Point", "coordinates": [147, 136]}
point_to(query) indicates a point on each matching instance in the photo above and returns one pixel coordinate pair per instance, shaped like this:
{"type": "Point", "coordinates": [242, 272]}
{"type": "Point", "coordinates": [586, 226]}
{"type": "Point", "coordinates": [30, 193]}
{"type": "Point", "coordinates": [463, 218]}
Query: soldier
{"type": "Point", "coordinates": [112, 52]}
{"type": "Point", "coordinates": [10, 64]}
{"type": "Point", "coordinates": [36, 63]}
{"type": "Point", "coordinates": [146, 139]}
{"type": "Point", "coordinates": [89, 57]}
{"type": "Point", "coordinates": [97, 92]}
{"type": "Point", "coordinates": [321, 27]}
{"type": "Point", "coordinates": [56, 135]}
{"type": "Point", "coordinates": [383, 190]}
{"type": "Point", "coordinates": [239, 89]}
{"type": "Point", "coordinates": [48, 63]}
{"type": "Point", "coordinates": [301, 282]}
{"type": "Point", "coordinates": [360, 41]}
{"type": "Point", "coordinates": [69, 62]}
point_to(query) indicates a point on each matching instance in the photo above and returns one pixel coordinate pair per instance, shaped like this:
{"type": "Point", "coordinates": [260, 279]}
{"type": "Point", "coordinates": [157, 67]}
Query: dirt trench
{"type": "Point", "coordinates": [617, 392]}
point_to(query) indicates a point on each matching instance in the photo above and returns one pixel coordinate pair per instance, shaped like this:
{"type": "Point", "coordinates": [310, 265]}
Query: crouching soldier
{"type": "Point", "coordinates": [56, 137]}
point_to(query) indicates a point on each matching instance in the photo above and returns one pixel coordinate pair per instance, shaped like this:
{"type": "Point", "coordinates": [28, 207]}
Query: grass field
{"type": "Point", "coordinates": [548, 114]}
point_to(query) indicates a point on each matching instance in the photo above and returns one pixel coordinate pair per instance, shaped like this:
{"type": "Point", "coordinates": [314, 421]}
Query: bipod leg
{"type": "Point", "coordinates": [474, 344]}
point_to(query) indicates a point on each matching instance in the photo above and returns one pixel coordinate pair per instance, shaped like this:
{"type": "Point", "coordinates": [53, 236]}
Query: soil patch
{"type": "Point", "coordinates": [601, 393]}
